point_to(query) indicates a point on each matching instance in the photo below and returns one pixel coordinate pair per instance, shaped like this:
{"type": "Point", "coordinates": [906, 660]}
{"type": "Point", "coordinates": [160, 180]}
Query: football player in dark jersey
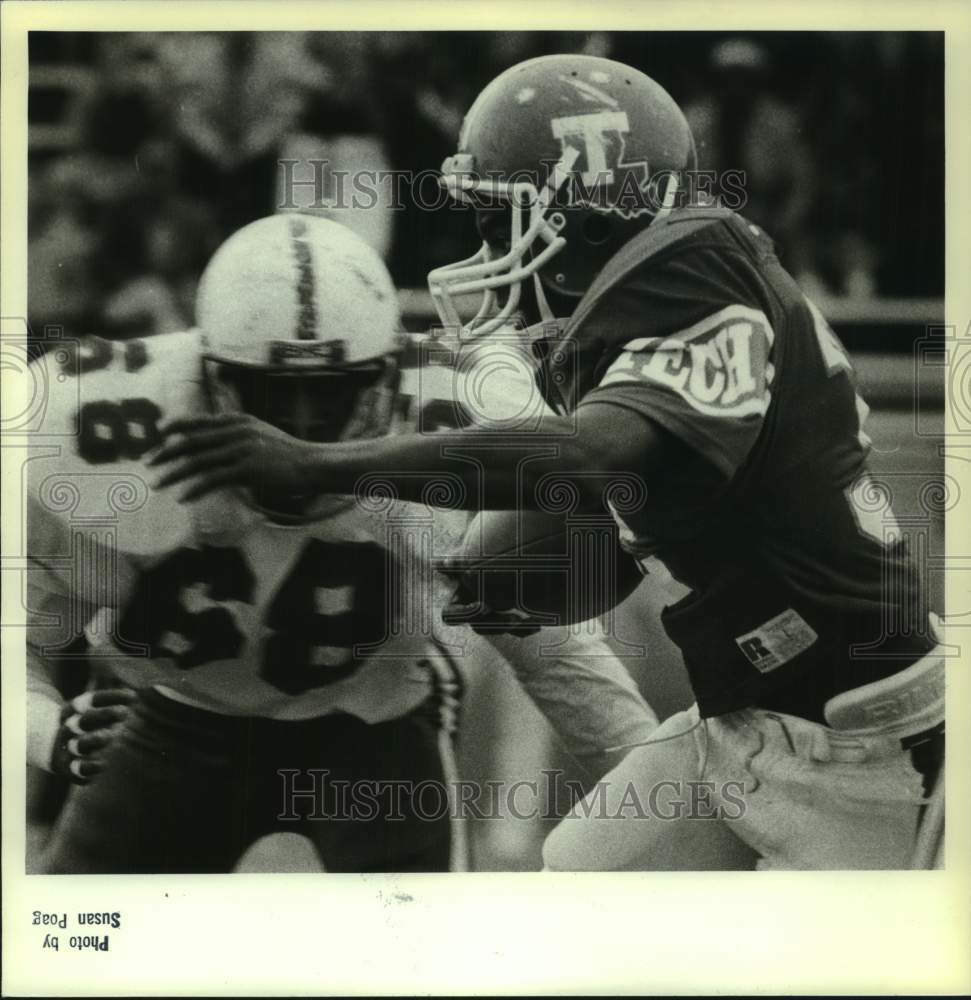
{"type": "Point", "coordinates": [679, 355]}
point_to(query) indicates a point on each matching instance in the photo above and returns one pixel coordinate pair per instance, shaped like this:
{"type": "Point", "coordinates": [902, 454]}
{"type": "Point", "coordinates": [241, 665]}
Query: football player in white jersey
{"type": "Point", "coordinates": [264, 661]}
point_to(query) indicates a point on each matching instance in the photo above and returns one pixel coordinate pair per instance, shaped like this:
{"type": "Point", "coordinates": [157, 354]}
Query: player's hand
{"type": "Point", "coordinates": [210, 452]}
{"type": "Point", "coordinates": [89, 723]}
{"type": "Point", "coordinates": [465, 609]}
{"type": "Point", "coordinates": [485, 621]}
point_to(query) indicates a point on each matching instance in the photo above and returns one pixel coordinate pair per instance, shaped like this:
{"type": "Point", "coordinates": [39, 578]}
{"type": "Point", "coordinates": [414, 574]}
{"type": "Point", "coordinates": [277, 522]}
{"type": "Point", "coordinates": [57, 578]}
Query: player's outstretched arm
{"type": "Point", "coordinates": [211, 452]}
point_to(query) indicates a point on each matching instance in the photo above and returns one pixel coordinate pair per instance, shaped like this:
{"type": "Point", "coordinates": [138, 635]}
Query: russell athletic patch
{"type": "Point", "coordinates": [778, 641]}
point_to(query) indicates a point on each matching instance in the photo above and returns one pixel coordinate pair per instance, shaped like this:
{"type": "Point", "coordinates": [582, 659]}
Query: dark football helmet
{"type": "Point", "coordinates": [575, 154]}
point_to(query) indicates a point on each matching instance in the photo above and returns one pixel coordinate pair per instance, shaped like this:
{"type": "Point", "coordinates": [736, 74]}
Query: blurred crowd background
{"type": "Point", "coordinates": [147, 150]}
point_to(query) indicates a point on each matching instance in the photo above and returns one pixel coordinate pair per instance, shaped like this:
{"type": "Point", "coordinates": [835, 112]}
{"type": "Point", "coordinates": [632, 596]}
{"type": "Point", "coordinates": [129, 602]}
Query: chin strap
{"type": "Point", "coordinates": [670, 192]}
{"type": "Point", "coordinates": [545, 312]}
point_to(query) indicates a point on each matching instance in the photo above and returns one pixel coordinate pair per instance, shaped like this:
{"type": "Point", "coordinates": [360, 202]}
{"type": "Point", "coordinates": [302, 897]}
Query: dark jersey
{"type": "Point", "coordinates": [799, 584]}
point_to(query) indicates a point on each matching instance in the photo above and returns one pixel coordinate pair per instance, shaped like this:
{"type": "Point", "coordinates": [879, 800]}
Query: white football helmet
{"type": "Point", "coordinates": [299, 322]}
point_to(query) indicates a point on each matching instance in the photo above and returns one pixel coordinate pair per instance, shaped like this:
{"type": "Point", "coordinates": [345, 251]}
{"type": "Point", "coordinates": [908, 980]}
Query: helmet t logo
{"type": "Point", "coordinates": [589, 133]}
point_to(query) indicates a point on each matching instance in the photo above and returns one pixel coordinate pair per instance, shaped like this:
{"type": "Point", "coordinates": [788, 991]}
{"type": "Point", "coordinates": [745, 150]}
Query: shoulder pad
{"type": "Point", "coordinates": [663, 233]}
{"type": "Point", "coordinates": [104, 402]}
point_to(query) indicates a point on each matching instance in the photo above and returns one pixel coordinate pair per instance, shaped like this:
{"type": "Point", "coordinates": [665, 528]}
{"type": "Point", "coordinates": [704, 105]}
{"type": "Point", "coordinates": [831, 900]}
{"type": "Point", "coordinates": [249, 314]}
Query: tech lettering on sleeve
{"type": "Point", "coordinates": [719, 366]}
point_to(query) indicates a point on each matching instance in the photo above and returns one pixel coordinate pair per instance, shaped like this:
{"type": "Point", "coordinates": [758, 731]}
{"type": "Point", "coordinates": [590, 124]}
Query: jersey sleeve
{"type": "Point", "coordinates": [105, 402]}
{"type": "Point", "coordinates": [700, 364]}
{"type": "Point", "coordinates": [43, 714]}
{"type": "Point", "coordinates": [52, 615]}
{"type": "Point", "coordinates": [56, 615]}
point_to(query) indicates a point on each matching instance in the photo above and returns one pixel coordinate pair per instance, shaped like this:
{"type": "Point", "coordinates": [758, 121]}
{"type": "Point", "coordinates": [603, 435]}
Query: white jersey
{"type": "Point", "coordinates": [215, 605]}
{"type": "Point", "coordinates": [210, 601]}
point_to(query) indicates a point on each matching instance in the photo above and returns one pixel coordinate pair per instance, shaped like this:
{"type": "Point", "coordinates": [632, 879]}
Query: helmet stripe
{"type": "Point", "coordinates": [306, 327]}
{"type": "Point", "coordinates": [591, 93]}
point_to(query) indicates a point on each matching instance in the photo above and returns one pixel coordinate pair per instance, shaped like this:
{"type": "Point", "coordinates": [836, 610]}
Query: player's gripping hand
{"type": "Point", "coordinates": [479, 615]}
{"type": "Point", "coordinates": [89, 723]}
{"type": "Point", "coordinates": [486, 621]}
{"type": "Point", "coordinates": [233, 449]}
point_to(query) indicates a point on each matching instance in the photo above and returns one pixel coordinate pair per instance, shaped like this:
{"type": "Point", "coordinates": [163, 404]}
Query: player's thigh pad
{"type": "Point", "coordinates": [815, 798]}
{"type": "Point", "coordinates": [640, 816]}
